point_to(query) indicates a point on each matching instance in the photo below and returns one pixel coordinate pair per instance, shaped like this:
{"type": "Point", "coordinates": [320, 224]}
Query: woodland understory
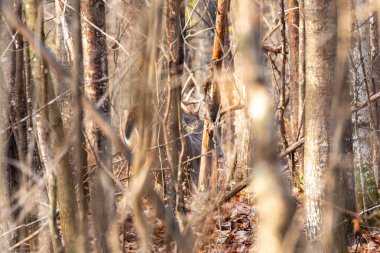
{"type": "Point", "coordinates": [189, 126]}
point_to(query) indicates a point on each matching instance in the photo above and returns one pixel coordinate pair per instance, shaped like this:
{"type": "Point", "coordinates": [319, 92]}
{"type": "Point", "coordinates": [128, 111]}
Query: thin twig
{"type": "Point", "coordinates": [30, 237]}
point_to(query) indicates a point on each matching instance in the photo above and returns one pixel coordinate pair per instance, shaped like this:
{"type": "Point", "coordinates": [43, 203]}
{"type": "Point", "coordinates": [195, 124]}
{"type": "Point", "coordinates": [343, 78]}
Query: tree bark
{"type": "Point", "coordinates": [293, 26]}
{"type": "Point", "coordinates": [211, 90]}
{"type": "Point", "coordinates": [205, 12]}
{"type": "Point", "coordinates": [301, 79]}
{"type": "Point", "coordinates": [64, 50]}
{"type": "Point", "coordinates": [13, 77]}
{"type": "Point", "coordinates": [375, 80]}
{"type": "Point", "coordinates": [340, 189]}
{"type": "Point", "coordinates": [79, 152]}
{"type": "Point", "coordinates": [51, 138]}
{"type": "Point", "coordinates": [5, 217]}
{"type": "Point", "coordinates": [173, 119]}
{"type": "Point", "coordinates": [98, 146]}
{"type": "Point", "coordinates": [365, 138]}
{"type": "Point", "coordinates": [320, 58]}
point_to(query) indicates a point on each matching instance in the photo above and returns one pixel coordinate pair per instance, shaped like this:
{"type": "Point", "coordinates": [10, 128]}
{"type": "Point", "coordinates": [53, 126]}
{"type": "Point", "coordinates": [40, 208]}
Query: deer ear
{"type": "Point", "coordinates": [127, 123]}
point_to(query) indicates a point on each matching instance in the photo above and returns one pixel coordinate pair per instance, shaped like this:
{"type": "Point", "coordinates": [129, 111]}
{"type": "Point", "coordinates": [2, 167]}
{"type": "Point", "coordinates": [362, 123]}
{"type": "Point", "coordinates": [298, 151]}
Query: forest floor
{"type": "Point", "coordinates": [370, 241]}
{"type": "Point", "coordinates": [229, 229]}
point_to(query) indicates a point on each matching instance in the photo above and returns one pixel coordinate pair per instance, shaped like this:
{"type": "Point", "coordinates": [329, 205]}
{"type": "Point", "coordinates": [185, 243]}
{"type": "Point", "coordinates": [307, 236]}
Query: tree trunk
{"type": "Point", "coordinates": [205, 12]}
{"type": "Point", "coordinates": [340, 189]}
{"type": "Point", "coordinates": [13, 70]}
{"type": "Point", "coordinates": [79, 152]}
{"type": "Point", "coordinates": [5, 217]}
{"type": "Point", "coordinates": [173, 118]}
{"type": "Point", "coordinates": [296, 93]}
{"type": "Point", "coordinates": [212, 96]}
{"type": "Point", "coordinates": [99, 157]}
{"type": "Point", "coordinates": [64, 50]}
{"type": "Point", "coordinates": [301, 80]}
{"type": "Point", "coordinates": [293, 26]}
{"type": "Point", "coordinates": [365, 138]}
{"type": "Point", "coordinates": [375, 80]}
{"type": "Point", "coordinates": [51, 139]}
{"type": "Point", "coordinates": [320, 57]}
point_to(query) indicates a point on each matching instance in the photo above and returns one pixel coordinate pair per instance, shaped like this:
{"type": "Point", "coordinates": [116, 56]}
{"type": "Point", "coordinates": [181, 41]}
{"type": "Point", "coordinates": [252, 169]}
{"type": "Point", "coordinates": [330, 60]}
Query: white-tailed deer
{"type": "Point", "coordinates": [193, 128]}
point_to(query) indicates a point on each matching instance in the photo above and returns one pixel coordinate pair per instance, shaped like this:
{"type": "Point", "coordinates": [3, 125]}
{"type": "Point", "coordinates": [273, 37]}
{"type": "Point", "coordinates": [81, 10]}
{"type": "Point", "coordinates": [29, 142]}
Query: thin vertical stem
{"type": "Point", "coordinates": [78, 137]}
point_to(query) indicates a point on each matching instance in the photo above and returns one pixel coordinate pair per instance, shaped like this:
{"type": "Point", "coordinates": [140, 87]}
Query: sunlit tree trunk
{"type": "Point", "coordinates": [320, 57]}
{"type": "Point", "coordinates": [293, 26]}
{"type": "Point", "coordinates": [296, 92]}
{"type": "Point", "coordinates": [212, 96]}
{"type": "Point", "coordinates": [301, 78]}
{"type": "Point", "coordinates": [205, 13]}
{"type": "Point", "coordinates": [51, 141]}
{"type": "Point", "coordinates": [99, 157]}
{"type": "Point", "coordinates": [320, 62]}
{"type": "Point", "coordinates": [64, 50]}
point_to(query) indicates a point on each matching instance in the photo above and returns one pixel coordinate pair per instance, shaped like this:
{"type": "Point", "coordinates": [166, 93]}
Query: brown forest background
{"type": "Point", "coordinates": [189, 126]}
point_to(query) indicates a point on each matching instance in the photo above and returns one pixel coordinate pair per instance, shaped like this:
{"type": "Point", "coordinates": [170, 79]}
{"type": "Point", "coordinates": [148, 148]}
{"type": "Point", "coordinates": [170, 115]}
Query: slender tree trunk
{"type": "Point", "coordinates": [205, 12]}
{"type": "Point", "coordinates": [211, 90]}
{"type": "Point", "coordinates": [64, 50]}
{"type": "Point", "coordinates": [18, 100]}
{"type": "Point", "coordinates": [282, 92]}
{"type": "Point", "coordinates": [296, 90]}
{"type": "Point", "coordinates": [375, 79]}
{"type": "Point", "coordinates": [18, 110]}
{"type": "Point", "coordinates": [365, 138]}
{"type": "Point", "coordinates": [376, 5]}
{"type": "Point", "coordinates": [173, 118]}
{"type": "Point", "coordinates": [99, 157]}
{"type": "Point", "coordinates": [80, 154]}
{"type": "Point", "coordinates": [301, 80]}
{"type": "Point", "coordinates": [340, 189]}
{"type": "Point", "coordinates": [51, 140]}
{"type": "Point", "coordinates": [5, 218]}
{"type": "Point", "coordinates": [26, 149]}
{"type": "Point", "coordinates": [293, 27]}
